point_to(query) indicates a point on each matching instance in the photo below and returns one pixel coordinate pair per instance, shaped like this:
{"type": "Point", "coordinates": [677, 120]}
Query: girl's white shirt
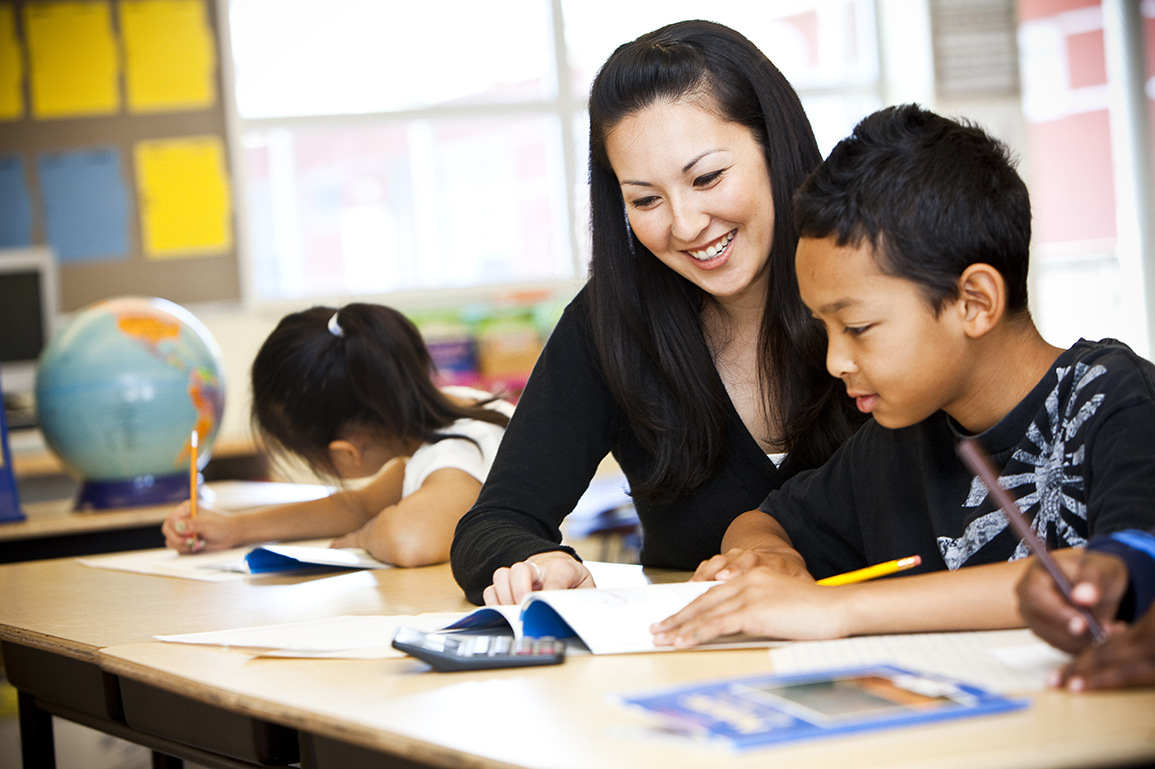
{"type": "Point", "coordinates": [473, 458]}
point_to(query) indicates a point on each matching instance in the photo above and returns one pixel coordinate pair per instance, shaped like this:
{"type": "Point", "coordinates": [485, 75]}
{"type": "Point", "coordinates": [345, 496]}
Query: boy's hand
{"type": "Point", "coordinates": [1098, 581]}
{"type": "Point", "coordinates": [737, 561]}
{"type": "Point", "coordinates": [552, 570]}
{"type": "Point", "coordinates": [210, 530]}
{"type": "Point", "coordinates": [1124, 659]}
{"type": "Point", "coordinates": [761, 602]}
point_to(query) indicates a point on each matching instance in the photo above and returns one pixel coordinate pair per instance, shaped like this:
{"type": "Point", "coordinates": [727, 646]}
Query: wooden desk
{"type": "Point", "coordinates": [60, 618]}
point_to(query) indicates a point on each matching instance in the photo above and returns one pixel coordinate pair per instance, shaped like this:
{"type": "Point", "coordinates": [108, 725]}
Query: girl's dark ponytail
{"type": "Point", "coordinates": [364, 366]}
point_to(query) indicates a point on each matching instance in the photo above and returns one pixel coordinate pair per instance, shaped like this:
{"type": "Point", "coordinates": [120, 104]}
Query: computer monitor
{"type": "Point", "coordinates": [29, 308]}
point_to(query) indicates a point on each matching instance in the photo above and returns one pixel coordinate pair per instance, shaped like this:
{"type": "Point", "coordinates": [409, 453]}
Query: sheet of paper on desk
{"type": "Point", "coordinates": [1001, 661]}
{"type": "Point", "coordinates": [162, 562]}
{"type": "Point", "coordinates": [347, 637]}
{"type": "Point", "coordinates": [237, 563]}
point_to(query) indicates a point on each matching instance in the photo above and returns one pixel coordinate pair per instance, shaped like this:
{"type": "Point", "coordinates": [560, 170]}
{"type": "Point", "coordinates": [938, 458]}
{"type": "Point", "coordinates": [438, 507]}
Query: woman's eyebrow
{"type": "Point", "coordinates": [695, 161]}
{"type": "Point", "coordinates": [685, 169]}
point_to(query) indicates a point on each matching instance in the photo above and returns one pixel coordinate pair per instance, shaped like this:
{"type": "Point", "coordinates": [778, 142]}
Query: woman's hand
{"type": "Point", "coordinates": [762, 602]}
{"type": "Point", "coordinates": [737, 561]}
{"type": "Point", "coordinates": [554, 570]}
{"type": "Point", "coordinates": [210, 530]}
{"type": "Point", "coordinates": [1099, 581]}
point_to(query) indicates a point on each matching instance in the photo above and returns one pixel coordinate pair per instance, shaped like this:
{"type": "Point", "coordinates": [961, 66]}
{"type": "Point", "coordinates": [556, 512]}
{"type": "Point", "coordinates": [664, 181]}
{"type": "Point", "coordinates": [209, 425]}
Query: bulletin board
{"type": "Point", "coordinates": [113, 147]}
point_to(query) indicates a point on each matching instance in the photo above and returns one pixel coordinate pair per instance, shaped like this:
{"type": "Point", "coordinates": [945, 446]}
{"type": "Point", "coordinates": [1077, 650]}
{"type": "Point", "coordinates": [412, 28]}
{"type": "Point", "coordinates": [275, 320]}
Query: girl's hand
{"type": "Point", "coordinates": [737, 561]}
{"type": "Point", "coordinates": [554, 570]}
{"type": "Point", "coordinates": [356, 538]}
{"type": "Point", "coordinates": [761, 602]}
{"type": "Point", "coordinates": [210, 530]}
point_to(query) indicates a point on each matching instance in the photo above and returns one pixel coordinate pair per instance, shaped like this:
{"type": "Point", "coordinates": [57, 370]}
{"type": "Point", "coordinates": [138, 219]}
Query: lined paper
{"type": "Point", "coordinates": [1003, 661]}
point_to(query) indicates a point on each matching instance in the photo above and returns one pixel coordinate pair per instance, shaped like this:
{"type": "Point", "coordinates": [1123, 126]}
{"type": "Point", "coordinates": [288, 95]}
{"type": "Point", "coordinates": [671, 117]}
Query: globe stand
{"type": "Point", "coordinates": [145, 491]}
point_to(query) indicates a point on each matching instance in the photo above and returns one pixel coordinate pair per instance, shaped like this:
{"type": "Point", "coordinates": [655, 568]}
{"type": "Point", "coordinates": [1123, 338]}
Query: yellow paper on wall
{"type": "Point", "coordinates": [169, 55]}
{"type": "Point", "coordinates": [185, 204]}
{"type": "Point", "coordinates": [11, 67]}
{"type": "Point", "coordinates": [73, 65]}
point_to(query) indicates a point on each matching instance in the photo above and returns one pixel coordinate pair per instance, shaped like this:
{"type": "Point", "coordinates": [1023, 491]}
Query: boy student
{"type": "Point", "coordinates": [913, 254]}
{"type": "Point", "coordinates": [1114, 579]}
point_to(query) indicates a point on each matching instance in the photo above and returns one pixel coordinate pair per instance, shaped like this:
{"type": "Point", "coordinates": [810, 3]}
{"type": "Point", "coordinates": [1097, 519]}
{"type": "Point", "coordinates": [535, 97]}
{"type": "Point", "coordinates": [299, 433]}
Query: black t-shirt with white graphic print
{"type": "Point", "coordinates": [1078, 455]}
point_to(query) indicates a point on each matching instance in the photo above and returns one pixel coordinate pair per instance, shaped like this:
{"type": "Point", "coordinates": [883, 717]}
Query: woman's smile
{"type": "Point", "coordinates": [715, 251]}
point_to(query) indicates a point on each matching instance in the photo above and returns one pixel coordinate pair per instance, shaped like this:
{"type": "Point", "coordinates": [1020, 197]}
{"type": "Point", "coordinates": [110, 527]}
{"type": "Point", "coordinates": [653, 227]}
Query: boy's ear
{"type": "Point", "coordinates": [982, 299]}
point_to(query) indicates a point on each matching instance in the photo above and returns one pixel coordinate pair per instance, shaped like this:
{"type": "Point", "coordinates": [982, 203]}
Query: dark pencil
{"type": "Point", "coordinates": [980, 464]}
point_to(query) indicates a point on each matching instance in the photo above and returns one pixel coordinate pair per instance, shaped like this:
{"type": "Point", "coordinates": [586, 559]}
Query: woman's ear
{"type": "Point", "coordinates": [982, 299]}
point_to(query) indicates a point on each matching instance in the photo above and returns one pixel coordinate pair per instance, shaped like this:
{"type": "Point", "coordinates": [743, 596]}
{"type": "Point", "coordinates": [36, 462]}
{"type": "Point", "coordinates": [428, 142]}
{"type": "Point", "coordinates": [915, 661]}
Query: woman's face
{"type": "Point", "coordinates": [697, 193]}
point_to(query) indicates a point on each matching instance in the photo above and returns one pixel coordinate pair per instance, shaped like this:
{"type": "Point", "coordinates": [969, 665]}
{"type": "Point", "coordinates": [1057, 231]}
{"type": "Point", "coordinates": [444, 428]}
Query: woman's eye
{"type": "Point", "coordinates": [856, 330]}
{"type": "Point", "coordinates": [705, 180]}
{"type": "Point", "coordinates": [649, 202]}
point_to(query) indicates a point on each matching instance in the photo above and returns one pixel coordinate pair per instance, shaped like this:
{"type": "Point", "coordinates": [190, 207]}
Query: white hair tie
{"type": "Point", "coordinates": [335, 327]}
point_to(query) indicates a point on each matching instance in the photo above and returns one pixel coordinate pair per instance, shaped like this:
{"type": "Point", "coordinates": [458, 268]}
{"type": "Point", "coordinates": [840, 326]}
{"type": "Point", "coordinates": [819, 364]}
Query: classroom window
{"type": "Point", "coordinates": [379, 158]}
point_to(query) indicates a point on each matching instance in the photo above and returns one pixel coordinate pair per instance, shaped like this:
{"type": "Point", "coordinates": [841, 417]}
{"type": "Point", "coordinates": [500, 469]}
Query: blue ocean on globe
{"type": "Point", "coordinates": [119, 391]}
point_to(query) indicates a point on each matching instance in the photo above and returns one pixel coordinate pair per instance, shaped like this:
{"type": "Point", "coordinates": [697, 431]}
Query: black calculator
{"type": "Point", "coordinates": [470, 651]}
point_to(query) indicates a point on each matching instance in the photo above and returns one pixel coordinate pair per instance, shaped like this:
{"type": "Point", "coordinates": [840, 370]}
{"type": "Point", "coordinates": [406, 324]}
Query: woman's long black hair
{"type": "Point", "coordinates": [647, 320]}
{"type": "Point", "coordinates": [370, 371]}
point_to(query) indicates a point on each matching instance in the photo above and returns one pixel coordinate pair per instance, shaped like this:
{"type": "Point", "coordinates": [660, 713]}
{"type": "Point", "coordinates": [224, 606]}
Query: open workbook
{"type": "Point", "coordinates": [605, 620]}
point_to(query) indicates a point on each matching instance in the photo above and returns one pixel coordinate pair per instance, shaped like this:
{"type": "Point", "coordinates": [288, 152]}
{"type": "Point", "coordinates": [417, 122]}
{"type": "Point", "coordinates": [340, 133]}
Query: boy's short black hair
{"type": "Point", "coordinates": [931, 195]}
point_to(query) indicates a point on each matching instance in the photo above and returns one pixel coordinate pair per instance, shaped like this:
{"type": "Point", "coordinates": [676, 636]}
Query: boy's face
{"type": "Point", "coordinates": [899, 361]}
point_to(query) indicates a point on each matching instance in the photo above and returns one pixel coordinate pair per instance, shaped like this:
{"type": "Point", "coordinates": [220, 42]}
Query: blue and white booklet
{"type": "Point", "coordinates": [604, 620]}
{"type": "Point", "coordinates": [757, 711]}
{"type": "Point", "coordinates": [263, 559]}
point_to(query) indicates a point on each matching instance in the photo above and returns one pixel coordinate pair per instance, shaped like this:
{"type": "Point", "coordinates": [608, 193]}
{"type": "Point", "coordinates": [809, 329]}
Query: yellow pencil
{"type": "Point", "coordinates": [870, 572]}
{"type": "Point", "coordinates": [192, 475]}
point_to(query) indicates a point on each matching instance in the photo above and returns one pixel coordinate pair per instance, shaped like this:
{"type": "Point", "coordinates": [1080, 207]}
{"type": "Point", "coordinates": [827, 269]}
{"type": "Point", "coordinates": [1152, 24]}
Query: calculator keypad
{"type": "Point", "coordinates": [503, 645]}
{"type": "Point", "coordinates": [477, 652]}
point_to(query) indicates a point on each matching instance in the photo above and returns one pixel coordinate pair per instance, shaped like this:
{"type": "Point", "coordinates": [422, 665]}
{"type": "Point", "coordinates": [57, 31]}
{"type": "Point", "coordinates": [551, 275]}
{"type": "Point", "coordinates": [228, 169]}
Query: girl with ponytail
{"type": "Point", "coordinates": [350, 392]}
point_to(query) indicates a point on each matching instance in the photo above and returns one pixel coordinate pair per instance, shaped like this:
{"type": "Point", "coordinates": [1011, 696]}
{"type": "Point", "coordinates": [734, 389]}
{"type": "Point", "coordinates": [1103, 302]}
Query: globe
{"type": "Point", "coordinates": [119, 390]}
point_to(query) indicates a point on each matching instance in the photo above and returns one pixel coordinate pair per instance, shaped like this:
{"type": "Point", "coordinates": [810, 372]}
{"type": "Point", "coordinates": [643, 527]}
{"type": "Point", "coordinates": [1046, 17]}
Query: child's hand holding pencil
{"type": "Point", "coordinates": [210, 530]}
{"type": "Point", "coordinates": [1099, 582]}
{"type": "Point", "coordinates": [180, 528]}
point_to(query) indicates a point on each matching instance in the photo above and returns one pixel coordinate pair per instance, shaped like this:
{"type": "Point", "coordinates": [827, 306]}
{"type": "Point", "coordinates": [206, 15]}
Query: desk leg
{"type": "Point", "coordinates": [36, 744]}
{"type": "Point", "coordinates": [162, 761]}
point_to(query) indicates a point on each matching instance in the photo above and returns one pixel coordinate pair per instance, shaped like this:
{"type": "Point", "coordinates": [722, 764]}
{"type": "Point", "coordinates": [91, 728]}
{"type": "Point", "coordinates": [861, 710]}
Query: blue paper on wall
{"type": "Point", "coordinates": [15, 203]}
{"type": "Point", "coordinates": [86, 205]}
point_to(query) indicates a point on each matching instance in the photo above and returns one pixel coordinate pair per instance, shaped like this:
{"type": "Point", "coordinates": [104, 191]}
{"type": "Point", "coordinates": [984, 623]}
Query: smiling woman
{"type": "Point", "coordinates": [707, 214]}
{"type": "Point", "coordinates": [688, 355]}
